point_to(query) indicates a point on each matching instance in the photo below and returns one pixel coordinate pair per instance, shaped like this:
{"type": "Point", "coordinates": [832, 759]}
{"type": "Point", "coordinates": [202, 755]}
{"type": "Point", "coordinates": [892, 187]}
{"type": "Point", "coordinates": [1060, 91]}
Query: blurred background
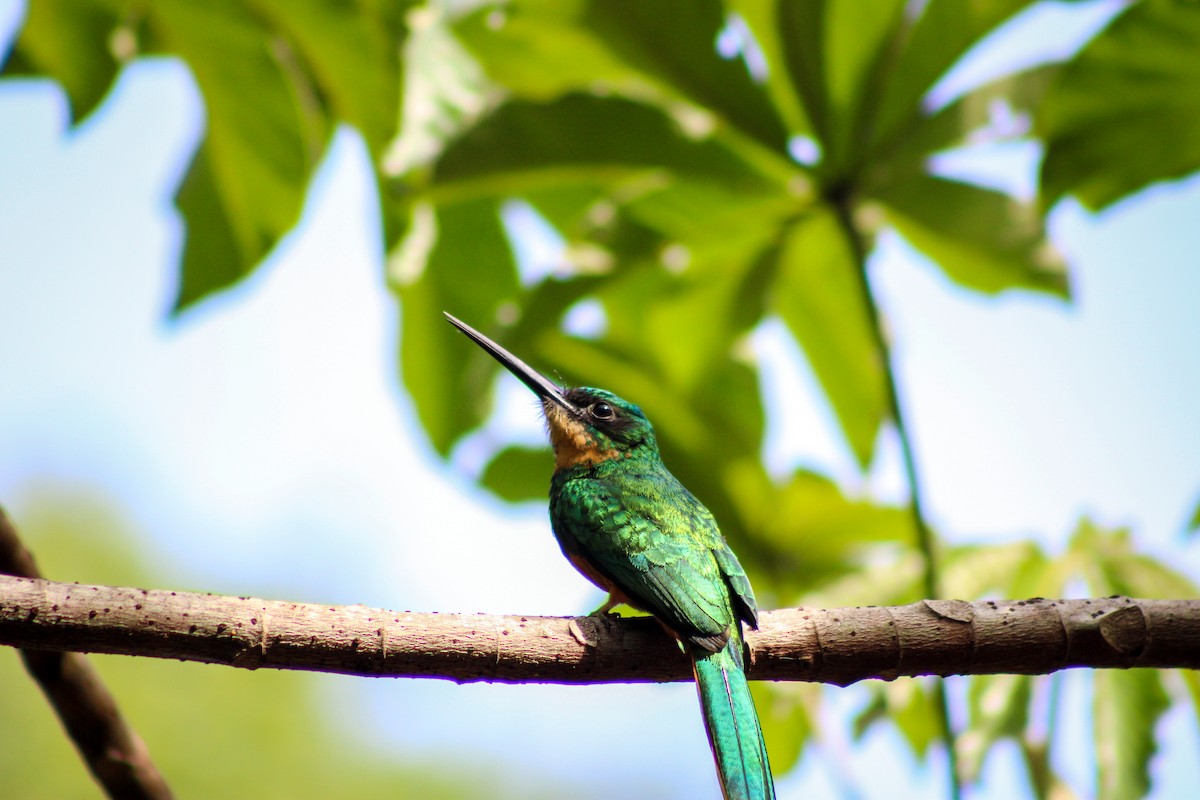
{"type": "Point", "coordinates": [291, 421]}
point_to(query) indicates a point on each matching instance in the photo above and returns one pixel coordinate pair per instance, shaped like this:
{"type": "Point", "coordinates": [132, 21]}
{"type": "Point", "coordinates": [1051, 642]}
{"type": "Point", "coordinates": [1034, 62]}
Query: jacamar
{"type": "Point", "coordinates": [632, 529]}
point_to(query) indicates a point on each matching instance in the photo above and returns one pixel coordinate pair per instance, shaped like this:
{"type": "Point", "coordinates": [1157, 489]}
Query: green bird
{"type": "Point", "coordinates": [625, 522]}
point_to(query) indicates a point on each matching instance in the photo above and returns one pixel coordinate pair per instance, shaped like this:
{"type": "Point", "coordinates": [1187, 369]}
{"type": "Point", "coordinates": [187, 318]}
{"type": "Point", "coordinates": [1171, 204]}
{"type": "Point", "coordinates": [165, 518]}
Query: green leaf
{"type": "Point", "coordinates": [874, 712]}
{"type": "Point", "coordinates": [519, 473]}
{"type": "Point", "coordinates": [1014, 569]}
{"type": "Point", "coordinates": [857, 39]}
{"type": "Point", "coordinates": [682, 362]}
{"type": "Point", "coordinates": [445, 92]}
{"type": "Point", "coordinates": [544, 305]}
{"type": "Point", "coordinates": [214, 258]}
{"type": "Point", "coordinates": [539, 49]}
{"type": "Point", "coordinates": [945, 30]}
{"type": "Point", "coordinates": [674, 41]}
{"type": "Point", "coordinates": [1193, 526]}
{"type": "Point", "coordinates": [70, 41]}
{"type": "Point", "coordinates": [1141, 575]}
{"type": "Point", "coordinates": [836, 55]}
{"type": "Point", "coordinates": [895, 580]}
{"type": "Point", "coordinates": [581, 139]}
{"type": "Point", "coordinates": [698, 247]}
{"type": "Point", "coordinates": [1191, 683]}
{"type": "Point", "coordinates": [998, 707]}
{"type": "Point", "coordinates": [351, 51]}
{"type": "Point", "coordinates": [982, 239]}
{"type": "Point", "coordinates": [457, 262]}
{"type": "Point", "coordinates": [827, 533]}
{"type": "Point", "coordinates": [263, 140]}
{"type": "Point", "coordinates": [819, 296]}
{"type": "Point", "coordinates": [1125, 112]}
{"type": "Point", "coordinates": [1127, 705]}
{"type": "Point", "coordinates": [790, 717]}
{"type": "Point", "coordinates": [964, 118]}
{"type": "Point", "coordinates": [715, 222]}
{"type": "Point", "coordinates": [1111, 564]}
{"type": "Point", "coordinates": [722, 284]}
{"type": "Point", "coordinates": [761, 20]}
{"type": "Point", "coordinates": [910, 706]}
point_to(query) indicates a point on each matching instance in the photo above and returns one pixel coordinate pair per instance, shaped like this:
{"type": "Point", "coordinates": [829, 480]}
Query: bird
{"type": "Point", "coordinates": [631, 528]}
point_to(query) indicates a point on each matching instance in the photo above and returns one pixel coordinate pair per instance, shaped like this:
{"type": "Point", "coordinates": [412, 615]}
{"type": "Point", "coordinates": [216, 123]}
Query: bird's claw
{"type": "Point", "coordinates": [605, 611]}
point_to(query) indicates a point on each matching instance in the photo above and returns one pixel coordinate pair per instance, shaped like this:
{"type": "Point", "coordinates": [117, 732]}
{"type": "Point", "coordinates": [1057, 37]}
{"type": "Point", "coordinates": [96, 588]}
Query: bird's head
{"type": "Point", "coordinates": [595, 425]}
{"type": "Point", "coordinates": [587, 425]}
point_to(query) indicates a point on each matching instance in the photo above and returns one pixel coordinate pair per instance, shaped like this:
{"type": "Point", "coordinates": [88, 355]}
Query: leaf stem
{"type": "Point", "coordinates": [843, 207]}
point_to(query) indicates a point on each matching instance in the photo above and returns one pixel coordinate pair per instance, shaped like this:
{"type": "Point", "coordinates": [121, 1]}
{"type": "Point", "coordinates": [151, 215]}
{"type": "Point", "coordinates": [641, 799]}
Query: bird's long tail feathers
{"type": "Point", "coordinates": [732, 724]}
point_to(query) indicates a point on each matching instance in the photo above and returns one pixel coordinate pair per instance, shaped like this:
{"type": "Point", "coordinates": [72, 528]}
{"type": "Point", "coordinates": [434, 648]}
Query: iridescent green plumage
{"type": "Point", "coordinates": [651, 540]}
{"type": "Point", "coordinates": [630, 527]}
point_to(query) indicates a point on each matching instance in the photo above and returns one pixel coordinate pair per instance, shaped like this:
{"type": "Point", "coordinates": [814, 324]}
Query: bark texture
{"type": "Point", "coordinates": [838, 646]}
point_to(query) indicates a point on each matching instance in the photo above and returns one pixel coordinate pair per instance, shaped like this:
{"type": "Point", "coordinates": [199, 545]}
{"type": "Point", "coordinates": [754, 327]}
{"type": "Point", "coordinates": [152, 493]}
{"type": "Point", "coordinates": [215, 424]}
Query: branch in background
{"type": "Point", "coordinates": [838, 646]}
{"type": "Point", "coordinates": [113, 752]}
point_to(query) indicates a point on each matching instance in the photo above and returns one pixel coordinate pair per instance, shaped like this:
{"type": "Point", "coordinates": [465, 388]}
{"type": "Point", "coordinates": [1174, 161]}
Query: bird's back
{"type": "Point", "coordinates": [644, 533]}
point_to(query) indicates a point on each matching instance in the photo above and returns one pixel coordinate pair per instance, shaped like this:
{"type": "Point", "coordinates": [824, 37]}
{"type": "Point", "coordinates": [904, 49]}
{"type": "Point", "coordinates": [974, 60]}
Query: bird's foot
{"type": "Point", "coordinates": [604, 616]}
{"type": "Point", "coordinates": [606, 610]}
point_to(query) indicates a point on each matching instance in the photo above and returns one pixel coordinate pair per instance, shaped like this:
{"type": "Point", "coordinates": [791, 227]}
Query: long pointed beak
{"type": "Point", "coordinates": [542, 386]}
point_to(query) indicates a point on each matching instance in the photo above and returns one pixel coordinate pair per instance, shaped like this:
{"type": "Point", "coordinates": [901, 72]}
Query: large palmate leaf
{"type": "Point", "coordinates": [595, 112]}
{"type": "Point", "coordinates": [1125, 113]}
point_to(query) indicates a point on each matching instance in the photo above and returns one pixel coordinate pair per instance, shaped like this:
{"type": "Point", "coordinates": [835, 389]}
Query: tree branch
{"type": "Point", "coordinates": [838, 646]}
{"type": "Point", "coordinates": [112, 750]}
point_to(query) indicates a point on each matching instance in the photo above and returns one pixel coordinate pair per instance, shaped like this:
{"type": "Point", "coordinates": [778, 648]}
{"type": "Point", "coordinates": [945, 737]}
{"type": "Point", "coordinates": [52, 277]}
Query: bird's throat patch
{"type": "Point", "coordinates": [574, 444]}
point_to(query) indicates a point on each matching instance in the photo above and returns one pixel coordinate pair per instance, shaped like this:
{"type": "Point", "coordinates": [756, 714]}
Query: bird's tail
{"type": "Point", "coordinates": [732, 723]}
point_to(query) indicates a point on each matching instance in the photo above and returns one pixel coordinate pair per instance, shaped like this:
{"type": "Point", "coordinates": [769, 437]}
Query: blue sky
{"type": "Point", "coordinates": [263, 445]}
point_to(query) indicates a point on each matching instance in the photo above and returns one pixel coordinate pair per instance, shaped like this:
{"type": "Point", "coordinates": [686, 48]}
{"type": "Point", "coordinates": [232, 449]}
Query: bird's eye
{"type": "Point", "coordinates": [603, 411]}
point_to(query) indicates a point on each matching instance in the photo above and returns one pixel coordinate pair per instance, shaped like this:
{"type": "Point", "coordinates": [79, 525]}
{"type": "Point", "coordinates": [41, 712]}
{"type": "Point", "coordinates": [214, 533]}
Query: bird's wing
{"type": "Point", "coordinates": [739, 584]}
{"type": "Point", "coordinates": [663, 553]}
